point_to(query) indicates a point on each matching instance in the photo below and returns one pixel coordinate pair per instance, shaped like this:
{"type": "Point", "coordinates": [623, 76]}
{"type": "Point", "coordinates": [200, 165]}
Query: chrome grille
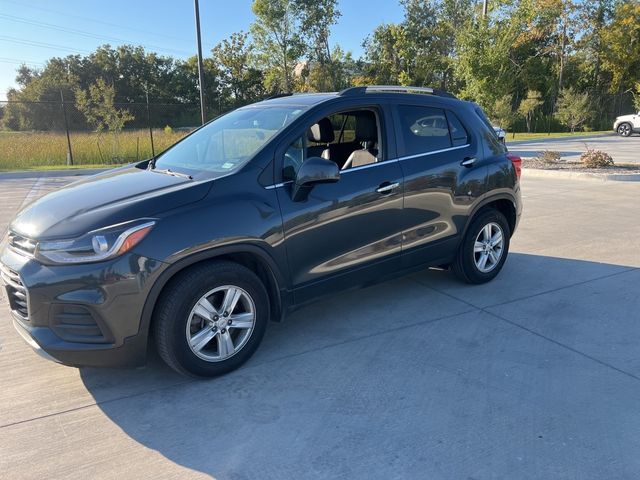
{"type": "Point", "coordinates": [16, 292]}
{"type": "Point", "coordinates": [21, 244]}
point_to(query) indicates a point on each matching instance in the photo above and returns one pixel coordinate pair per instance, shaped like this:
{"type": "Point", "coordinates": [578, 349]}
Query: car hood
{"type": "Point", "coordinates": [109, 198]}
{"type": "Point", "coordinates": [625, 117]}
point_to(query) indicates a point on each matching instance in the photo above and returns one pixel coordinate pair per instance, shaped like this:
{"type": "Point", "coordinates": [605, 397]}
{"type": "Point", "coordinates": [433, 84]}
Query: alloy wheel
{"type": "Point", "coordinates": [624, 130]}
{"type": "Point", "coordinates": [488, 247]}
{"type": "Point", "coordinates": [221, 323]}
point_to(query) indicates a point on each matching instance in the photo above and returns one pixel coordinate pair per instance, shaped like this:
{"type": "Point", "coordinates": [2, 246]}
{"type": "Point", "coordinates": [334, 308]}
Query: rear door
{"type": "Point", "coordinates": [434, 146]}
{"type": "Point", "coordinates": [345, 233]}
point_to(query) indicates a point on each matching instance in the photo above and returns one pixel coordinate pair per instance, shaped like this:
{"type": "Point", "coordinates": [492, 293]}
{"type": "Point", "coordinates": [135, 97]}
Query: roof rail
{"type": "Point", "coordinates": [279, 95]}
{"type": "Point", "coordinates": [353, 91]}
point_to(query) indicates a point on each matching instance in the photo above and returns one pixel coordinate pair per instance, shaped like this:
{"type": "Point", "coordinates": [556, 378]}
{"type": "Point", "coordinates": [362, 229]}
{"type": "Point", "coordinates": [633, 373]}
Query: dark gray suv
{"type": "Point", "coordinates": [258, 212]}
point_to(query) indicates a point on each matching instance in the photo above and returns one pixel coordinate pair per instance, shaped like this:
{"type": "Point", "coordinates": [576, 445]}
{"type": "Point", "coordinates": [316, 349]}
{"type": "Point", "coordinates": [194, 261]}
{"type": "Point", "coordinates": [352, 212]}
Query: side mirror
{"type": "Point", "coordinates": [313, 171]}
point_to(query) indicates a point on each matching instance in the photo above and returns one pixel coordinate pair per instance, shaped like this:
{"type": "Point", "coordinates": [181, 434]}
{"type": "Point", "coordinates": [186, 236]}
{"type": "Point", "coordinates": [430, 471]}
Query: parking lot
{"type": "Point", "coordinates": [623, 150]}
{"type": "Point", "coordinates": [535, 375]}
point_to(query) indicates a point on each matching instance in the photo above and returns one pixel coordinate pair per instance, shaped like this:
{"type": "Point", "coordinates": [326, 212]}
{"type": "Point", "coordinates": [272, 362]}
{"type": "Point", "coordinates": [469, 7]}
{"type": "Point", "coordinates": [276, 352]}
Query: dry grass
{"type": "Point", "coordinates": [26, 150]}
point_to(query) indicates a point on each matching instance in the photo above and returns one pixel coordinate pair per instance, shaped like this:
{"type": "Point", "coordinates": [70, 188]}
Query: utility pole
{"type": "Point", "coordinates": [66, 128]}
{"type": "Point", "coordinates": [485, 8]}
{"type": "Point", "coordinates": [200, 67]}
{"type": "Point", "coordinates": [153, 150]}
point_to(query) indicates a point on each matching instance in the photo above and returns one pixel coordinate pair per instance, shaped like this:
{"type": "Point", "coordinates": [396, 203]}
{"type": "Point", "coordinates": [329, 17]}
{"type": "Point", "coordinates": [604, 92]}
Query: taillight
{"type": "Point", "coordinates": [517, 163]}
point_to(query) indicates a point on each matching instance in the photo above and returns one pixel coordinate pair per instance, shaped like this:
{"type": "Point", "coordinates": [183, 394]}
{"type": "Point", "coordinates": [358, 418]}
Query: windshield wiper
{"type": "Point", "coordinates": [166, 171]}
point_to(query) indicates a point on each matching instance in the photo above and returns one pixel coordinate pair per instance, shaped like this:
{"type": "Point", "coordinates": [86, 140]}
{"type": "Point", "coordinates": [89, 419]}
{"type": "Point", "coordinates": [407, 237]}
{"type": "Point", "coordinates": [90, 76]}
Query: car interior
{"type": "Point", "coordinates": [350, 139]}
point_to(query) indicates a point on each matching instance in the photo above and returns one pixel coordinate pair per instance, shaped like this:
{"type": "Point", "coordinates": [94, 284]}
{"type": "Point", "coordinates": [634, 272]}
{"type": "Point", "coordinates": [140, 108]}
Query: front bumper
{"type": "Point", "coordinates": [82, 315]}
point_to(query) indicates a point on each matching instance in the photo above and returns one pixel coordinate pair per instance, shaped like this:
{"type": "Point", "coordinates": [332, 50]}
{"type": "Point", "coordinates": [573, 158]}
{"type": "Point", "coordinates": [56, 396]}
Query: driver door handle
{"type": "Point", "coordinates": [468, 161]}
{"type": "Point", "coordinates": [387, 187]}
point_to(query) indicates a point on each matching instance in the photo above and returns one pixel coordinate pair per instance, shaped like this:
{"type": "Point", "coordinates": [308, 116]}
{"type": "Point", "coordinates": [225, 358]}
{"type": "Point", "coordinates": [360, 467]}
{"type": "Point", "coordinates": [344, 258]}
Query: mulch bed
{"type": "Point", "coordinates": [577, 167]}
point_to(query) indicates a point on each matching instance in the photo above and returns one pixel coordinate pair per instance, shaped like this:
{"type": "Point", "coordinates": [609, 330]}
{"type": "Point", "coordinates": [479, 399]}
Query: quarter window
{"type": "Point", "coordinates": [459, 135]}
{"type": "Point", "coordinates": [424, 129]}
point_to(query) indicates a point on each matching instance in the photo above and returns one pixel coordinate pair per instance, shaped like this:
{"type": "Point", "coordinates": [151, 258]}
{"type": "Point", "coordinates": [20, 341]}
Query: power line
{"type": "Point", "coordinates": [33, 43]}
{"type": "Point", "coordinates": [102, 22]}
{"type": "Point", "coordinates": [83, 33]}
{"type": "Point", "coordinates": [18, 61]}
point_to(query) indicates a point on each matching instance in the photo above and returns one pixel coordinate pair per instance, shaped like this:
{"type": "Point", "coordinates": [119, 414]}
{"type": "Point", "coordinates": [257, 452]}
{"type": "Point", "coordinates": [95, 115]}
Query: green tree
{"type": "Point", "coordinates": [486, 64]}
{"type": "Point", "coordinates": [240, 82]}
{"type": "Point", "coordinates": [98, 106]}
{"type": "Point", "coordinates": [502, 112]}
{"type": "Point", "coordinates": [621, 56]}
{"type": "Point", "coordinates": [316, 19]}
{"type": "Point", "coordinates": [636, 96]}
{"type": "Point", "coordinates": [386, 54]}
{"type": "Point", "coordinates": [419, 50]}
{"type": "Point", "coordinates": [573, 108]}
{"type": "Point", "coordinates": [529, 105]}
{"type": "Point", "coordinates": [276, 33]}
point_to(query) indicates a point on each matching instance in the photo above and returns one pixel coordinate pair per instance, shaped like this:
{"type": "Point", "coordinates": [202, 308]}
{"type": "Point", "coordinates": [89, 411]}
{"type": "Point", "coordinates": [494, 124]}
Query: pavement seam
{"type": "Point", "coordinates": [526, 297]}
{"type": "Point", "coordinates": [564, 345]}
{"type": "Point", "coordinates": [19, 189]}
{"type": "Point", "coordinates": [241, 369]}
{"type": "Point", "coordinates": [540, 335]}
{"type": "Point", "coordinates": [95, 404]}
{"type": "Point", "coordinates": [364, 337]}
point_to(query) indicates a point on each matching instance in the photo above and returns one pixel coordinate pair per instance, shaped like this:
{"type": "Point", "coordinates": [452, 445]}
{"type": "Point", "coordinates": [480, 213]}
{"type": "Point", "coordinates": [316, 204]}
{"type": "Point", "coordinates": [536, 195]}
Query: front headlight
{"type": "Point", "coordinates": [97, 245]}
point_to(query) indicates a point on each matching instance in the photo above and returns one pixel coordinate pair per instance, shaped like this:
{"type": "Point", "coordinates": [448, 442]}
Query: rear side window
{"type": "Point", "coordinates": [424, 129]}
{"type": "Point", "coordinates": [459, 135]}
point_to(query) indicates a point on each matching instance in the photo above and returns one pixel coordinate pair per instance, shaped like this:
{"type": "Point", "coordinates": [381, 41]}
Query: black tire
{"type": "Point", "coordinates": [180, 296]}
{"type": "Point", "coordinates": [625, 129]}
{"type": "Point", "coordinates": [464, 265]}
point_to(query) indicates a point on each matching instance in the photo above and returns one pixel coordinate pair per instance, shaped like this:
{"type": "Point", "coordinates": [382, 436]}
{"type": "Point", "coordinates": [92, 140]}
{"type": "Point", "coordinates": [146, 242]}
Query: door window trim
{"type": "Point", "coordinates": [371, 165]}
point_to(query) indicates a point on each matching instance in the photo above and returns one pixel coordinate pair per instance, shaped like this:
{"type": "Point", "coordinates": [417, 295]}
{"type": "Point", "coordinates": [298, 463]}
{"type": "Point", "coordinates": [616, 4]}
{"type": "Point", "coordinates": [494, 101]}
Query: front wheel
{"type": "Point", "coordinates": [484, 248]}
{"type": "Point", "coordinates": [211, 318]}
{"type": "Point", "coordinates": [624, 129]}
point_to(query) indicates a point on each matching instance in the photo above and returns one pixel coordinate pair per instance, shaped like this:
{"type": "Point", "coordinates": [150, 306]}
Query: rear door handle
{"type": "Point", "coordinates": [467, 162]}
{"type": "Point", "coordinates": [387, 187]}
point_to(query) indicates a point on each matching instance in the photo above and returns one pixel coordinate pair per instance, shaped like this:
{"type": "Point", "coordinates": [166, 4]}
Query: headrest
{"type": "Point", "coordinates": [321, 132]}
{"type": "Point", "coordinates": [366, 129]}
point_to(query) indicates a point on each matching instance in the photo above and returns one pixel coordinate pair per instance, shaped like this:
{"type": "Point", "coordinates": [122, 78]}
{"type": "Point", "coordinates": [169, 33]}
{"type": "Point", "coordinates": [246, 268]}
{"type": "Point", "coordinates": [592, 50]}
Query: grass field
{"type": "Point", "coordinates": [47, 151]}
{"type": "Point", "coordinates": [540, 136]}
{"type": "Point", "coordinates": [28, 151]}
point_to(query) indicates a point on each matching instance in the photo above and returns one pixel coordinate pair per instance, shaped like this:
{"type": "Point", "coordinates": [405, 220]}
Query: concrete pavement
{"type": "Point", "coordinates": [622, 150]}
{"type": "Point", "coordinates": [535, 375]}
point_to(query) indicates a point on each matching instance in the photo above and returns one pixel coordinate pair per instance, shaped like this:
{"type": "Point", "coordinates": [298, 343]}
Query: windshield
{"type": "Point", "coordinates": [228, 142]}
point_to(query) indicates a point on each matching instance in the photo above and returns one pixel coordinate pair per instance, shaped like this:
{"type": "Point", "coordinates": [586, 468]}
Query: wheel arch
{"type": "Point", "coordinates": [504, 203]}
{"type": "Point", "coordinates": [250, 256]}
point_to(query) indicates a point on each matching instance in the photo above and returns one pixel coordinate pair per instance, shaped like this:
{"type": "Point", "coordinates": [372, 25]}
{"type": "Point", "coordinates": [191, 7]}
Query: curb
{"type": "Point", "coordinates": [597, 177]}
{"type": "Point", "coordinates": [52, 173]}
{"type": "Point", "coordinates": [578, 138]}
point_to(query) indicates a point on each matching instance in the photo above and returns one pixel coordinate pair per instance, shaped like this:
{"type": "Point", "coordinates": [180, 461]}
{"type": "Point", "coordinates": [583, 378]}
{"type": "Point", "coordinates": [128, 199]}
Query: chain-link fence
{"type": "Point", "coordinates": [56, 133]}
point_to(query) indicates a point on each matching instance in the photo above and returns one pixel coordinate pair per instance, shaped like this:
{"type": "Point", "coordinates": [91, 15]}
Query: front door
{"type": "Point", "coordinates": [347, 233]}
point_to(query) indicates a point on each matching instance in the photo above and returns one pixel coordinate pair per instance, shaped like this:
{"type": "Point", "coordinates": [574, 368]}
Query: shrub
{"type": "Point", "coordinates": [168, 130]}
{"type": "Point", "coordinates": [596, 159]}
{"type": "Point", "coordinates": [549, 156]}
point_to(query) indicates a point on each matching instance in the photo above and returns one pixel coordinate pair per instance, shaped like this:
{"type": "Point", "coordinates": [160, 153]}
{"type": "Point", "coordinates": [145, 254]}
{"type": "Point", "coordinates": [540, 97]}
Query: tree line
{"type": "Point", "coordinates": [531, 64]}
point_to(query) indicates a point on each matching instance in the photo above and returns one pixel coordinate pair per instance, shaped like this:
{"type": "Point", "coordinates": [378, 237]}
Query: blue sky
{"type": "Point", "coordinates": [33, 31]}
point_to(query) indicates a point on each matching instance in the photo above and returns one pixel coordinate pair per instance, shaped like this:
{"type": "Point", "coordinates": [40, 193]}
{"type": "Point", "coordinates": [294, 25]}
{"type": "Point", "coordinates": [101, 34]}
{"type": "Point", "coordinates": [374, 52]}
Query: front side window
{"type": "Point", "coordinates": [424, 129]}
{"type": "Point", "coordinates": [228, 142]}
{"type": "Point", "coordinates": [350, 139]}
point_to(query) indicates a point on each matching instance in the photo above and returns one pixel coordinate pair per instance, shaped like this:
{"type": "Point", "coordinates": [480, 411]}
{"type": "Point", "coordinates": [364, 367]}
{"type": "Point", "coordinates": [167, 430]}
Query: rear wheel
{"type": "Point", "coordinates": [624, 129]}
{"type": "Point", "coordinates": [484, 248]}
{"type": "Point", "coordinates": [211, 319]}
